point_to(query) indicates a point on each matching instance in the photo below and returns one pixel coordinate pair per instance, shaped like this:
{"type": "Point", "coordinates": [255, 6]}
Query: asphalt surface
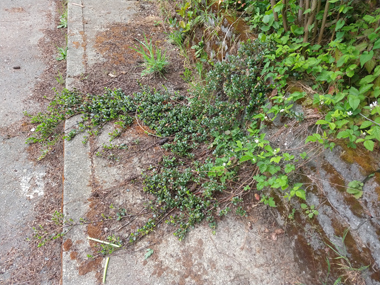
{"type": "Point", "coordinates": [21, 181]}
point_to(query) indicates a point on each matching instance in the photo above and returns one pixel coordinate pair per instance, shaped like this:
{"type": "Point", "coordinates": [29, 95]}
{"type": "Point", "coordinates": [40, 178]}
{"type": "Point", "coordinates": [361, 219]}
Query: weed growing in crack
{"type": "Point", "coordinates": [62, 53]}
{"type": "Point", "coordinates": [155, 60]}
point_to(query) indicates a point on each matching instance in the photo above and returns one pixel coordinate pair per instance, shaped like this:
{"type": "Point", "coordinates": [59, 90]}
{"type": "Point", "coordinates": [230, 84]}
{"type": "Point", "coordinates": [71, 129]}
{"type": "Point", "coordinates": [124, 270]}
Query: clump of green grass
{"type": "Point", "coordinates": [155, 60]}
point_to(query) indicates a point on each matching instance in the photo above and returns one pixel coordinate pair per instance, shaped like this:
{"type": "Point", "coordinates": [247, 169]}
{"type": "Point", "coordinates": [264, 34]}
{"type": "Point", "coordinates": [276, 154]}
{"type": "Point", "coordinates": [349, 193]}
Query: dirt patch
{"type": "Point", "coordinates": [122, 66]}
{"type": "Point", "coordinates": [15, 10]}
{"type": "Point", "coordinates": [67, 245]}
{"type": "Point", "coordinates": [88, 266]}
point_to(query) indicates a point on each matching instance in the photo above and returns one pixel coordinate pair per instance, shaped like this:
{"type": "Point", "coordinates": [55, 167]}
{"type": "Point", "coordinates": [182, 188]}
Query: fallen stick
{"type": "Point", "coordinates": [75, 4]}
{"type": "Point", "coordinates": [98, 240]}
{"type": "Point", "coordinates": [105, 270]}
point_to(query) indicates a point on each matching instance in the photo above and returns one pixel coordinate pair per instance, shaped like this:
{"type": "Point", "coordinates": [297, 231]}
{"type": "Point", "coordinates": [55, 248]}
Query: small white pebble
{"type": "Point", "coordinates": [32, 130]}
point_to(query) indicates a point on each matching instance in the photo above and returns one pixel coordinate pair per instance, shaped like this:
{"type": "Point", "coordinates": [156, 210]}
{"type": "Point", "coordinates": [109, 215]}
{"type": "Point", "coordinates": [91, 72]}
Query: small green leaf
{"type": "Point", "coordinates": [271, 202]}
{"type": "Point", "coordinates": [149, 253]}
{"type": "Point", "coordinates": [289, 168]}
{"type": "Point", "coordinates": [303, 206]}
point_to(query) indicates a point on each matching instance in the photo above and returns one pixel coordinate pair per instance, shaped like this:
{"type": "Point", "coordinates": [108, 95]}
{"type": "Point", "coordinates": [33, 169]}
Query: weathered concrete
{"type": "Point", "coordinates": [21, 182]}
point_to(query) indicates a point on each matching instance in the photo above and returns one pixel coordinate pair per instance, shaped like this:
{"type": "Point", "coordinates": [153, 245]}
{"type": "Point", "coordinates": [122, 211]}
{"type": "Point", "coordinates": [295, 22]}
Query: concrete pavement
{"type": "Point", "coordinates": [22, 182]}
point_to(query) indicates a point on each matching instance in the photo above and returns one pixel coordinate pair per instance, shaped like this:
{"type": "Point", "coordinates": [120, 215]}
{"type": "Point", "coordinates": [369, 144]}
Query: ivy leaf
{"type": "Point", "coordinates": [353, 101]}
{"type": "Point", "coordinates": [365, 56]}
{"type": "Point", "coordinates": [339, 25]}
{"type": "Point", "coordinates": [369, 145]}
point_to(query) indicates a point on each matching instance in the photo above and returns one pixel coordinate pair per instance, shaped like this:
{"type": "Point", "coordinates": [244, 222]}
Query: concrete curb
{"type": "Point", "coordinates": [85, 20]}
{"type": "Point", "coordinates": [77, 163]}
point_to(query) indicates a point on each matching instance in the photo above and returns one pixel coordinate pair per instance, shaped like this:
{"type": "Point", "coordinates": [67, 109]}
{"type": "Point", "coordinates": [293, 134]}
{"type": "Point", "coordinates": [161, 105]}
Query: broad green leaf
{"type": "Point", "coordinates": [307, 11]}
{"type": "Point", "coordinates": [310, 139]}
{"type": "Point", "coordinates": [342, 135]}
{"type": "Point", "coordinates": [365, 56]}
{"type": "Point", "coordinates": [376, 132]}
{"type": "Point", "coordinates": [363, 89]}
{"type": "Point", "coordinates": [376, 45]}
{"type": "Point", "coordinates": [350, 73]}
{"type": "Point", "coordinates": [367, 79]}
{"type": "Point", "coordinates": [246, 158]}
{"type": "Point", "coordinates": [369, 145]}
{"type": "Point", "coordinates": [271, 202]}
{"type": "Point", "coordinates": [366, 124]}
{"type": "Point", "coordinates": [370, 65]}
{"type": "Point", "coordinates": [268, 148]}
{"type": "Point", "coordinates": [301, 194]}
{"type": "Point", "coordinates": [354, 91]}
{"type": "Point", "coordinates": [276, 159]}
{"type": "Point", "coordinates": [372, 36]}
{"type": "Point", "coordinates": [339, 24]}
{"type": "Point", "coordinates": [289, 168]}
{"type": "Point", "coordinates": [362, 46]}
{"type": "Point", "coordinates": [332, 126]}
{"type": "Point", "coordinates": [341, 123]}
{"type": "Point", "coordinates": [357, 193]}
{"type": "Point", "coordinates": [278, 7]}
{"type": "Point", "coordinates": [369, 18]}
{"type": "Point", "coordinates": [353, 101]}
{"type": "Point", "coordinates": [297, 30]}
{"type": "Point", "coordinates": [321, 122]}
{"type": "Point", "coordinates": [266, 19]}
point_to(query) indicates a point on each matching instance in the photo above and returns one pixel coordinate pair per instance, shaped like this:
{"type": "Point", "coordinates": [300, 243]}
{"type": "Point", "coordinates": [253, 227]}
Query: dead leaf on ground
{"type": "Point", "coordinates": [279, 231]}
